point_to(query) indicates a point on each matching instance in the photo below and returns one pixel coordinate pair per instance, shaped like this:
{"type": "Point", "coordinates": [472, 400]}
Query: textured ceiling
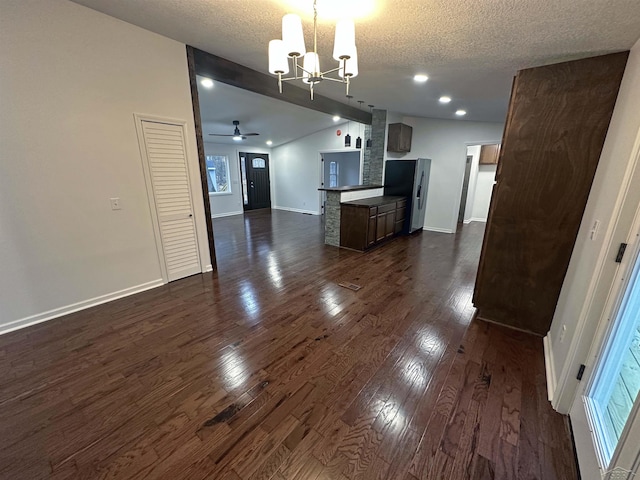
{"type": "Point", "coordinates": [469, 48]}
{"type": "Point", "coordinates": [273, 119]}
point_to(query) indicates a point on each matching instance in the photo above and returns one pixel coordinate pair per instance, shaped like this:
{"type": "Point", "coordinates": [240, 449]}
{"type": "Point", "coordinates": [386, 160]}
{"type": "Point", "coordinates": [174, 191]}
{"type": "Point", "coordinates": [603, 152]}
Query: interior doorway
{"type": "Point", "coordinates": [477, 183]}
{"type": "Point", "coordinates": [256, 184]}
{"type": "Point", "coordinates": [339, 168]}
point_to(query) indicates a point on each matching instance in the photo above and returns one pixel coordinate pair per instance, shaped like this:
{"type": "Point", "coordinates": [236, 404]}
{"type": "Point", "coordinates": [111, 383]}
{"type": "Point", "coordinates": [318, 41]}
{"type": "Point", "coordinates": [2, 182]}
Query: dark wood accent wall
{"type": "Point", "coordinates": [195, 100]}
{"type": "Point", "coordinates": [231, 73]}
{"type": "Point", "coordinates": [556, 125]}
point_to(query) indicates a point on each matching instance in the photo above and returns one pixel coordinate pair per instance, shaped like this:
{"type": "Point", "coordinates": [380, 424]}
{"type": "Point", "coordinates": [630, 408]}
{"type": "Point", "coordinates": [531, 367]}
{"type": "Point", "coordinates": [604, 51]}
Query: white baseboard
{"type": "Point", "coordinates": [74, 307]}
{"type": "Point", "coordinates": [296, 210]}
{"type": "Point", "coordinates": [208, 268]}
{"type": "Point", "coordinates": [227, 214]}
{"type": "Point", "coordinates": [437, 229]}
{"type": "Point", "coordinates": [474, 219]}
{"type": "Point", "coordinates": [549, 367]}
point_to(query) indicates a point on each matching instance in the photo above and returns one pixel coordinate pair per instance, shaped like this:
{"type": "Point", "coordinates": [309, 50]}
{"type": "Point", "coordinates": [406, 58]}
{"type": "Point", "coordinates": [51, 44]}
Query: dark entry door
{"type": "Point", "coordinates": [254, 168]}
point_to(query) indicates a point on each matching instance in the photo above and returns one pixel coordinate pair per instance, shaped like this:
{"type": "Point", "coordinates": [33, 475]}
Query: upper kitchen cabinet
{"type": "Point", "coordinates": [556, 125]}
{"type": "Point", "coordinates": [489, 154]}
{"type": "Point", "coordinates": [399, 138]}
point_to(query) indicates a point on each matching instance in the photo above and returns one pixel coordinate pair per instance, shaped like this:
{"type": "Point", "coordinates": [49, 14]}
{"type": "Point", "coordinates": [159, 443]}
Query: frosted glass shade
{"type": "Point", "coordinates": [345, 41]}
{"type": "Point", "coordinates": [351, 66]}
{"type": "Point", "coordinates": [278, 61]}
{"type": "Point", "coordinates": [311, 66]}
{"type": "Point", "coordinates": [292, 35]}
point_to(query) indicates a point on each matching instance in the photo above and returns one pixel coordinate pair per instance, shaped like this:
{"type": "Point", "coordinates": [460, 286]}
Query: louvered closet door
{"type": "Point", "coordinates": [166, 157]}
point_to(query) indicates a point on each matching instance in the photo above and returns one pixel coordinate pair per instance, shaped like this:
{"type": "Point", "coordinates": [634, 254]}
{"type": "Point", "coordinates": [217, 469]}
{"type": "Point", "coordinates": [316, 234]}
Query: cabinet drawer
{"type": "Point", "coordinates": [386, 208]}
{"type": "Point", "coordinates": [401, 203]}
{"type": "Point", "coordinates": [401, 213]}
{"type": "Point", "coordinates": [373, 211]}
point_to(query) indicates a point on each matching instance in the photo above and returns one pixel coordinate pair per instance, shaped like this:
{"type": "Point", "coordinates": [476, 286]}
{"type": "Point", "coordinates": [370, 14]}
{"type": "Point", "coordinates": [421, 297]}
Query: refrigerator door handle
{"type": "Point", "coordinates": [419, 194]}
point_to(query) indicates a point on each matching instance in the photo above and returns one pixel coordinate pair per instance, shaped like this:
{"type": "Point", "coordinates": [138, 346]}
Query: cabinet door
{"type": "Point", "coordinates": [489, 154]}
{"type": "Point", "coordinates": [390, 224]}
{"type": "Point", "coordinates": [371, 231]}
{"type": "Point", "coordinates": [381, 226]}
{"type": "Point", "coordinates": [353, 227]}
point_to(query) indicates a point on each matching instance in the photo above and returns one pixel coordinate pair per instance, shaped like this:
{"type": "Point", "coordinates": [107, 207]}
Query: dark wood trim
{"type": "Point", "coordinates": [195, 100]}
{"type": "Point", "coordinates": [231, 73]}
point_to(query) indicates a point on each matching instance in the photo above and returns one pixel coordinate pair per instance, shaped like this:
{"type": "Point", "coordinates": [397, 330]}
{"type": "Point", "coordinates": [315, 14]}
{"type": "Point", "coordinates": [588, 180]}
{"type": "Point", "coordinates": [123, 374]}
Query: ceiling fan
{"type": "Point", "coordinates": [236, 133]}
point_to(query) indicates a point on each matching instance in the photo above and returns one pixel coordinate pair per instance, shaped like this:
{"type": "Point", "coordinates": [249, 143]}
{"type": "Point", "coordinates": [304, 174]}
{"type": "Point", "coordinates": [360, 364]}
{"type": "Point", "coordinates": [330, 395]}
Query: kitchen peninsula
{"type": "Point", "coordinates": [360, 233]}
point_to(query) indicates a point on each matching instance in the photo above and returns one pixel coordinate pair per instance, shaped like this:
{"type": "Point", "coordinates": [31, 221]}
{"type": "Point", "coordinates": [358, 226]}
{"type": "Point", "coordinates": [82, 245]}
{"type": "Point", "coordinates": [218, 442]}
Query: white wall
{"type": "Point", "coordinates": [296, 169]}
{"type": "Point", "coordinates": [445, 143]}
{"type": "Point", "coordinates": [223, 205]}
{"type": "Point", "coordinates": [70, 81]}
{"type": "Point", "coordinates": [482, 195]}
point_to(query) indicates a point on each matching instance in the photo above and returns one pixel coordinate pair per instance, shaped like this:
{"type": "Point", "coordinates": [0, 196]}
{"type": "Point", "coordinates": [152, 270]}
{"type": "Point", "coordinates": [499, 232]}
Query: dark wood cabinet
{"type": "Point", "coordinates": [399, 138]}
{"type": "Point", "coordinates": [489, 154]}
{"type": "Point", "coordinates": [556, 125]}
{"type": "Point", "coordinates": [368, 222]}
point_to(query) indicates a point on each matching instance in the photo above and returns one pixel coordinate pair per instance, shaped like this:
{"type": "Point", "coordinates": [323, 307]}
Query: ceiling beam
{"type": "Point", "coordinates": [231, 73]}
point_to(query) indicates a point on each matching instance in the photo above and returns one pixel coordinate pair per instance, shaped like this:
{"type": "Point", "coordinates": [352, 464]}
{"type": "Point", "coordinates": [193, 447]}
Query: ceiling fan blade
{"type": "Point", "coordinates": [250, 134]}
{"type": "Point", "coordinates": [221, 135]}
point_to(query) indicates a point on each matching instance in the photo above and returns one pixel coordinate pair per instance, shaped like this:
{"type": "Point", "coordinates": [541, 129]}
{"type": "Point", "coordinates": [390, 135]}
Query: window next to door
{"type": "Point", "coordinates": [218, 177]}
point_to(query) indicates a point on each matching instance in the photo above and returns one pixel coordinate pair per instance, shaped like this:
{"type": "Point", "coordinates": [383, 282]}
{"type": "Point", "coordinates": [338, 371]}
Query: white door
{"type": "Point", "coordinates": [166, 168]}
{"type": "Point", "coordinates": [606, 409]}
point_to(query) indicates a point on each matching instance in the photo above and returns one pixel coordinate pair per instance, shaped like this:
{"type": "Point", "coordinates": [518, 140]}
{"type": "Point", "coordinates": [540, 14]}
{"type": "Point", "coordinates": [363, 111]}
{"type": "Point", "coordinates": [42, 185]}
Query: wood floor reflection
{"type": "Point", "coordinates": [268, 369]}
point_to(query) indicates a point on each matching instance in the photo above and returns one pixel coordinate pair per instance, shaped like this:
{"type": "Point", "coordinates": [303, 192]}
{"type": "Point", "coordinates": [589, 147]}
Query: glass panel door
{"type": "Point", "coordinates": [614, 390]}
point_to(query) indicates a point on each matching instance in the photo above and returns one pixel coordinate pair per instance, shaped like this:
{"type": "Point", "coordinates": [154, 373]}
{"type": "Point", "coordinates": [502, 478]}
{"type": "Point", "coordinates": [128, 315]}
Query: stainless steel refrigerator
{"type": "Point", "coordinates": [409, 178]}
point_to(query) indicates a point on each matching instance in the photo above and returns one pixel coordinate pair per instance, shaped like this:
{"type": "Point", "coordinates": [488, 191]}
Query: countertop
{"type": "Point", "coordinates": [374, 201]}
{"type": "Point", "coordinates": [350, 188]}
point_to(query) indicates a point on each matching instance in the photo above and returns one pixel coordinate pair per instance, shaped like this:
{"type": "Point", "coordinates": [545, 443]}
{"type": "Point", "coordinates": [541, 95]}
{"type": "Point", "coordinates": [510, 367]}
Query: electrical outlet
{"type": "Point", "coordinates": [115, 203]}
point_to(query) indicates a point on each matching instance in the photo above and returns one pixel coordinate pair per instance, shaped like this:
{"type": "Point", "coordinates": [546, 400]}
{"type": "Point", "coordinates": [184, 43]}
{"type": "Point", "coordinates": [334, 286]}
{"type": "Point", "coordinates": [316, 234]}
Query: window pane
{"type": "Point", "coordinates": [259, 163]}
{"type": "Point", "coordinates": [218, 174]}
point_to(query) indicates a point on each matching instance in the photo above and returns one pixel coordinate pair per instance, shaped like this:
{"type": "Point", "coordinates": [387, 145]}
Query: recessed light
{"type": "Point", "coordinates": [445, 99]}
{"type": "Point", "coordinates": [461, 113]}
{"type": "Point", "coordinates": [269, 142]}
{"type": "Point", "coordinates": [420, 78]}
{"type": "Point", "coordinates": [336, 118]}
{"type": "Point", "coordinates": [206, 83]}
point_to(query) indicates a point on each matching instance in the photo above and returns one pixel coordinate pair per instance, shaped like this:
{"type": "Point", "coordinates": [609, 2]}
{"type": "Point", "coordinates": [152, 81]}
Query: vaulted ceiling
{"type": "Point", "coordinates": [470, 49]}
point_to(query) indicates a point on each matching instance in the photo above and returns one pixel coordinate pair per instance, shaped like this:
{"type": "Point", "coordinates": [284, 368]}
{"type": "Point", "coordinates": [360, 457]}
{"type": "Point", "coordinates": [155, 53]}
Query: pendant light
{"type": "Point", "coordinates": [306, 64]}
{"type": "Point", "coordinates": [359, 139]}
{"type": "Point", "coordinates": [347, 137]}
{"type": "Point", "coordinates": [369, 139]}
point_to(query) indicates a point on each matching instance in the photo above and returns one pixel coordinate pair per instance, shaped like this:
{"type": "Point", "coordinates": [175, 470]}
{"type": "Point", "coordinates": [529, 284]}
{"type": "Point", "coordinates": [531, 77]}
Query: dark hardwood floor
{"type": "Point", "coordinates": [267, 369]}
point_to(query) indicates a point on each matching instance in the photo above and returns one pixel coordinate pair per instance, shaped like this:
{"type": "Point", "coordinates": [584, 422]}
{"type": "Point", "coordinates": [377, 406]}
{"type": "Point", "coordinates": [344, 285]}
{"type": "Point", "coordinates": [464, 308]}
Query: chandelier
{"type": "Point", "coordinates": [292, 47]}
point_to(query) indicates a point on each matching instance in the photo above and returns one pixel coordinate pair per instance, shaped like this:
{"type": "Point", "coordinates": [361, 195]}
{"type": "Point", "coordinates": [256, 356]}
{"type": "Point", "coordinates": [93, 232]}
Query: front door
{"type": "Point", "coordinates": [256, 186]}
